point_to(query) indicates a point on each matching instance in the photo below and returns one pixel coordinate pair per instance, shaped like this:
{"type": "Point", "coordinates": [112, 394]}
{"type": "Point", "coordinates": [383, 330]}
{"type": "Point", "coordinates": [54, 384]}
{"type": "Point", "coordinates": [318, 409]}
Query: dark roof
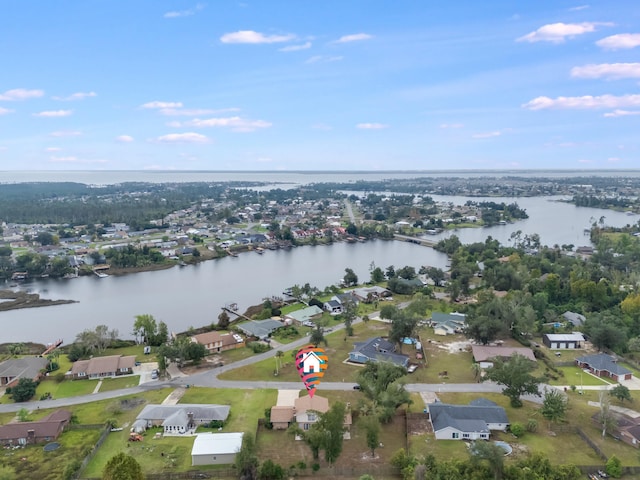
{"type": "Point", "coordinates": [260, 328]}
{"type": "Point", "coordinates": [604, 362]}
{"type": "Point", "coordinates": [372, 349]}
{"type": "Point", "coordinates": [26, 367]}
{"type": "Point", "coordinates": [466, 418]}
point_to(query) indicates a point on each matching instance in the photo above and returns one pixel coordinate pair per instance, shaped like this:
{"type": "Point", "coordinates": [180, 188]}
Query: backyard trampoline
{"type": "Point", "coordinates": [50, 447]}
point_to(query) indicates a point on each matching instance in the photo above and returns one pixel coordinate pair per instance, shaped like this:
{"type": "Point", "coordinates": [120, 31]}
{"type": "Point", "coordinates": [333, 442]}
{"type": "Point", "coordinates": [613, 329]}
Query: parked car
{"type": "Point", "coordinates": [356, 387]}
{"type": "Point", "coordinates": [154, 374]}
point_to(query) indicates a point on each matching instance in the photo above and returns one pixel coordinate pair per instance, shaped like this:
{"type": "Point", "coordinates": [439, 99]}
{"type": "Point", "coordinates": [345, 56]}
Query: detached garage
{"type": "Point", "coordinates": [216, 448]}
{"type": "Point", "coordinates": [563, 341]}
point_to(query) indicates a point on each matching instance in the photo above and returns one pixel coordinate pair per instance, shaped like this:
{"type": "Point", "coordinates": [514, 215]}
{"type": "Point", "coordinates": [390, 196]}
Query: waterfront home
{"type": "Point", "coordinates": [12, 370]}
{"type": "Point", "coordinates": [304, 316]}
{"type": "Point", "coordinates": [261, 329]}
{"type": "Point", "coordinates": [216, 342]}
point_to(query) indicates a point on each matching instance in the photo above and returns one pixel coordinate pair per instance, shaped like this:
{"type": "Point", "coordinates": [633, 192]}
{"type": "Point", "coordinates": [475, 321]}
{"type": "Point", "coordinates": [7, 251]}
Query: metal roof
{"type": "Point", "coordinates": [217, 443]}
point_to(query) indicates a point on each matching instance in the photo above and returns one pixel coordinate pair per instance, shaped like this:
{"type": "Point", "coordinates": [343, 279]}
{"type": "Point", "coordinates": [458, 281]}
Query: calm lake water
{"type": "Point", "coordinates": [193, 296]}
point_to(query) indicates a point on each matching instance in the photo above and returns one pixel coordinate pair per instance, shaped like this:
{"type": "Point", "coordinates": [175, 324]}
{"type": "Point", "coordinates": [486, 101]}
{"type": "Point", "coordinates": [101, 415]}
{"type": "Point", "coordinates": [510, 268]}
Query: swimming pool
{"type": "Point", "coordinates": [505, 446]}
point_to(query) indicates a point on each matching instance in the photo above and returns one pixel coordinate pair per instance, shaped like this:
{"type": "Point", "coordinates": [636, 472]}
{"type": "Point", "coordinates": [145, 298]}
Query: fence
{"type": "Point", "coordinates": [90, 455]}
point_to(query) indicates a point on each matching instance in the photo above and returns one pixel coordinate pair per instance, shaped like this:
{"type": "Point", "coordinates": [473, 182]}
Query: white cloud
{"type": "Point", "coordinates": [66, 133]}
{"type": "Point", "coordinates": [578, 8]}
{"type": "Point", "coordinates": [585, 102]}
{"type": "Point", "coordinates": [5, 111]}
{"type": "Point", "coordinates": [496, 133]}
{"type": "Point", "coordinates": [355, 37]}
{"type": "Point", "coordinates": [611, 71]}
{"type": "Point", "coordinates": [20, 94]}
{"type": "Point", "coordinates": [189, 137]}
{"type": "Point", "coordinates": [157, 104]}
{"type": "Point", "coordinates": [451, 125]}
{"type": "Point", "coordinates": [322, 126]}
{"type": "Point", "coordinates": [249, 36]}
{"type": "Point", "coordinates": [185, 13]}
{"type": "Point", "coordinates": [371, 126]}
{"type": "Point", "coordinates": [52, 149]}
{"type": "Point", "coordinates": [53, 113]}
{"type": "Point", "coordinates": [236, 124]}
{"type": "Point", "coordinates": [613, 159]}
{"type": "Point", "coordinates": [296, 48]}
{"type": "Point", "coordinates": [622, 113]}
{"type": "Point", "coordinates": [193, 112]}
{"type": "Point", "coordinates": [124, 138]}
{"type": "Point", "coordinates": [323, 59]}
{"type": "Point", "coordinates": [620, 41]}
{"type": "Point", "coordinates": [558, 32]}
{"type": "Point", "coordinates": [77, 96]}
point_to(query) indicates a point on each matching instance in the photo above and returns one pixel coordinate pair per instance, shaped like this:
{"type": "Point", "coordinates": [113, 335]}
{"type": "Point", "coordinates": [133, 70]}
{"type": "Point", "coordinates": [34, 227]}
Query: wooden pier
{"type": "Point", "coordinates": [52, 347]}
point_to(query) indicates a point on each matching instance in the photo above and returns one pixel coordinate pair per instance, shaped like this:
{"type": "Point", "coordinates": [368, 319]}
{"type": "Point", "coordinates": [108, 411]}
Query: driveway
{"type": "Point", "coordinates": [144, 370]}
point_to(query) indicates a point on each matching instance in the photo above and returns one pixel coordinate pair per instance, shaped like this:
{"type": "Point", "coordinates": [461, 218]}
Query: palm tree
{"type": "Point", "coordinates": [279, 355]}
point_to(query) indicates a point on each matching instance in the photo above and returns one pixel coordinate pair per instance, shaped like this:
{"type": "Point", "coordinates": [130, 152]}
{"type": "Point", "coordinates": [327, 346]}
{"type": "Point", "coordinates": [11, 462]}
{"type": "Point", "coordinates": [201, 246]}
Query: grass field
{"type": "Point", "coordinates": [65, 389]}
{"type": "Point", "coordinates": [117, 383]}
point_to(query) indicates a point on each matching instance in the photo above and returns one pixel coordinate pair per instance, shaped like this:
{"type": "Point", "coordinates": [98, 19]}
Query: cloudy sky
{"type": "Point", "coordinates": [319, 85]}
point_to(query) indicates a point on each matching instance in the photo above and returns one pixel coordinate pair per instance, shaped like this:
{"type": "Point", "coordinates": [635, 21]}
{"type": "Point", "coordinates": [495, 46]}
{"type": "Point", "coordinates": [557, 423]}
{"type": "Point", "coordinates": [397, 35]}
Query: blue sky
{"type": "Point", "coordinates": [319, 85]}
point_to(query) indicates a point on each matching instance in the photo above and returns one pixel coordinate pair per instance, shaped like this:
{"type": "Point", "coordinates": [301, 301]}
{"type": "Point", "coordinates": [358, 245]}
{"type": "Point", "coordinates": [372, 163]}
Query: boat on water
{"type": "Point", "coordinates": [259, 250]}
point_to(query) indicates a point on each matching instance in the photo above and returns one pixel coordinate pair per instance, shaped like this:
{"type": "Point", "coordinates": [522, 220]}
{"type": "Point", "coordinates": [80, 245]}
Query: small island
{"type": "Point", "coordinates": [11, 300]}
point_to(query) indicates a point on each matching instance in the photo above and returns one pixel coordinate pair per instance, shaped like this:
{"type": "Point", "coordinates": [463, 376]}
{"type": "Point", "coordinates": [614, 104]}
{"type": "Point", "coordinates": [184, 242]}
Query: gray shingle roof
{"type": "Point", "coordinates": [602, 361]}
{"type": "Point", "coordinates": [260, 328]}
{"type": "Point", "coordinates": [379, 349]}
{"type": "Point", "coordinates": [466, 418]}
{"type": "Point", "coordinates": [201, 412]}
{"type": "Point", "coordinates": [26, 367]}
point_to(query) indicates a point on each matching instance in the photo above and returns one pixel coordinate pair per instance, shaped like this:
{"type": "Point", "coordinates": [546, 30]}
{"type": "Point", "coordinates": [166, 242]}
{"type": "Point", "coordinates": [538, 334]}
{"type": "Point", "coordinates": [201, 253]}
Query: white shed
{"type": "Point", "coordinates": [216, 448]}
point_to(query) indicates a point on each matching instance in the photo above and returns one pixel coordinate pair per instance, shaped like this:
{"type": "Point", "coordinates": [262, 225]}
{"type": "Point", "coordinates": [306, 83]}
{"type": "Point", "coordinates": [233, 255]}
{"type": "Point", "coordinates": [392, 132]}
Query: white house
{"type": "Point", "coordinates": [216, 448]}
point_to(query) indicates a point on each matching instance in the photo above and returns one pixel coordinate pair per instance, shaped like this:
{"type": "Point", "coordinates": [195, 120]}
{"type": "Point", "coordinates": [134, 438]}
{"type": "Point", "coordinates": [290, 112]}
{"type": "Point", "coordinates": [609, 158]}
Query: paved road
{"type": "Point", "coordinates": [210, 379]}
{"type": "Point", "coordinates": [349, 208]}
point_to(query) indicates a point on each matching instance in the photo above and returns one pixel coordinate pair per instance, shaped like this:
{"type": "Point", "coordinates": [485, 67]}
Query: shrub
{"type": "Point", "coordinates": [532, 425]}
{"type": "Point", "coordinates": [215, 424]}
{"type": "Point", "coordinates": [517, 429]}
{"type": "Point", "coordinates": [271, 471]}
{"type": "Point", "coordinates": [315, 467]}
{"type": "Point", "coordinates": [301, 465]}
{"type": "Point", "coordinates": [59, 377]}
{"type": "Point", "coordinates": [258, 347]}
{"type": "Point", "coordinates": [614, 467]}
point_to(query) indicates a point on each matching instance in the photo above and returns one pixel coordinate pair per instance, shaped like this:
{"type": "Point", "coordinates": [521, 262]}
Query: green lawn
{"type": "Point", "coordinates": [117, 383]}
{"type": "Point", "coordinates": [338, 349]}
{"type": "Point", "coordinates": [576, 376]}
{"type": "Point", "coordinates": [65, 389]}
{"type": "Point", "coordinates": [246, 405]}
{"type": "Point", "coordinates": [559, 446]}
{"type": "Point", "coordinates": [34, 462]}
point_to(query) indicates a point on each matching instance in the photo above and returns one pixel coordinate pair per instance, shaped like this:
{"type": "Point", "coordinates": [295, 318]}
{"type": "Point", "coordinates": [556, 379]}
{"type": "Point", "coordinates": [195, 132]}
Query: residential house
{"type": "Point", "coordinates": [575, 319]}
{"type": "Point", "coordinates": [483, 354]}
{"type": "Point", "coordinates": [216, 448]}
{"type": "Point", "coordinates": [44, 430]}
{"type": "Point", "coordinates": [447, 323]}
{"type": "Point", "coordinates": [307, 408]}
{"type": "Point", "coordinates": [334, 307]}
{"type": "Point", "coordinates": [603, 365]}
{"type": "Point", "coordinates": [98, 367]}
{"type": "Point", "coordinates": [626, 428]}
{"type": "Point", "coordinates": [12, 370]}
{"type": "Point", "coordinates": [467, 422]}
{"type": "Point", "coordinates": [181, 418]}
{"type": "Point", "coordinates": [369, 294]}
{"type": "Point", "coordinates": [562, 341]}
{"type": "Point", "coordinates": [261, 329]}
{"type": "Point", "coordinates": [377, 350]}
{"type": "Point", "coordinates": [304, 316]}
{"type": "Point", "coordinates": [216, 342]}
{"type": "Point", "coordinates": [282, 412]}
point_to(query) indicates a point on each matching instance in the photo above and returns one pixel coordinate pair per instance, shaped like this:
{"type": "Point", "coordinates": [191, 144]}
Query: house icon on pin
{"type": "Point", "coordinates": [311, 362]}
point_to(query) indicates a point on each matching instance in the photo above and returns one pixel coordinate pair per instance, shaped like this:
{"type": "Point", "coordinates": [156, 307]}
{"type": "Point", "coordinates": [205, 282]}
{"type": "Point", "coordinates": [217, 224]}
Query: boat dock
{"type": "Point", "coordinates": [52, 346]}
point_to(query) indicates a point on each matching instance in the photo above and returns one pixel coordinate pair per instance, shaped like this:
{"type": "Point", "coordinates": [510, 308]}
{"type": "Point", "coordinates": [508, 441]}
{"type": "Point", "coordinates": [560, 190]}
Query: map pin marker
{"type": "Point", "coordinates": [311, 362]}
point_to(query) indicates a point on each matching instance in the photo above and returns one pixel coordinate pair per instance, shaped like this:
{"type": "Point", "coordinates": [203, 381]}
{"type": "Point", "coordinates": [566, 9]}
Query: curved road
{"type": "Point", "coordinates": [210, 379]}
